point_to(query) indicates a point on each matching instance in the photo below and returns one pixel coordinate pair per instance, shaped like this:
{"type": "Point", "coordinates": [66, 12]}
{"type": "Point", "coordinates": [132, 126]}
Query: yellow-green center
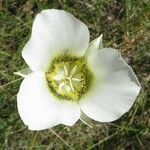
{"type": "Point", "coordinates": [69, 78]}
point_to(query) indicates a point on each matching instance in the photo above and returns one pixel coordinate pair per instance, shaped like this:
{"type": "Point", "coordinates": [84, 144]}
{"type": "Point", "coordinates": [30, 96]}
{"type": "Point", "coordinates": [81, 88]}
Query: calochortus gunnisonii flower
{"type": "Point", "coordinates": [70, 78]}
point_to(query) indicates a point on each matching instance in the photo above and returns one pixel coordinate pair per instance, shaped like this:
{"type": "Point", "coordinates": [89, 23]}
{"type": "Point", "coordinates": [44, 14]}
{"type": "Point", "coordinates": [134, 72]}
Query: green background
{"type": "Point", "coordinates": [125, 25]}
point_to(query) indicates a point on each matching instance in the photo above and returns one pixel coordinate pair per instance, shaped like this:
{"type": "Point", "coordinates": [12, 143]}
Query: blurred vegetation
{"type": "Point", "coordinates": [125, 25]}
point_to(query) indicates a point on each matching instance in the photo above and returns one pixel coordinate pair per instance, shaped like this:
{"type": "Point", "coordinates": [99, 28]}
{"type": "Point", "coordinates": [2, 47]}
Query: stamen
{"type": "Point", "coordinates": [58, 77]}
{"type": "Point", "coordinates": [66, 71]}
{"type": "Point", "coordinates": [71, 85]}
{"type": "Point", "coordinates": [72, 72]}
{"type": "Point", "coordinates": [76, 79]}
{"type": "Point", "coordinates": [61, 84]}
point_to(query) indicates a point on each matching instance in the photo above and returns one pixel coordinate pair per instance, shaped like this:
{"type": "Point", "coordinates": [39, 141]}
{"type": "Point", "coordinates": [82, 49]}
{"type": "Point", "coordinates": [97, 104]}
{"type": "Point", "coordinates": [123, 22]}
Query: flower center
{"type": "Point", "coordinates": [68, 77]}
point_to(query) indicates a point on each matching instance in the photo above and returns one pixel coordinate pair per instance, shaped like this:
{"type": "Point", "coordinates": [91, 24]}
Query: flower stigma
{"type": "Point", "coordinates": [69, 77]}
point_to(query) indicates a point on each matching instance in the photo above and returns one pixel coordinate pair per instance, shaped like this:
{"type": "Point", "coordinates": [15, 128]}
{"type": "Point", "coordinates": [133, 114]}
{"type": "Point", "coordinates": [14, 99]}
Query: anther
{"type": "Point", "coordinates": [66, 71]}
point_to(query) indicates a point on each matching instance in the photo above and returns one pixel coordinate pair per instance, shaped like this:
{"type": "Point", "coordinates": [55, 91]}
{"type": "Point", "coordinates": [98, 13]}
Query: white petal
{"type": "Point", "coordinates": [116, 87]}
{"type": "Point", "coordinates": [38, 109]}
{"type": "Point", "coordinates": [96, 44]}
{"type": "Point", "coordinates": [54, 32]}
{"type": "Point", "coordinates": [24, 72]}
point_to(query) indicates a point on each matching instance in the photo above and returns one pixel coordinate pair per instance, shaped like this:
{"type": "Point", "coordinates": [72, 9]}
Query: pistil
{"type": "Point", "coordinates": [68, 77]}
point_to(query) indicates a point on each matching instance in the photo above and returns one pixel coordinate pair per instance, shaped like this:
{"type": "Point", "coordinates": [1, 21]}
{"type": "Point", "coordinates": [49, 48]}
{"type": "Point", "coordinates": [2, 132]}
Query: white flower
{"type": "Point", "coordinates": [71, 77]}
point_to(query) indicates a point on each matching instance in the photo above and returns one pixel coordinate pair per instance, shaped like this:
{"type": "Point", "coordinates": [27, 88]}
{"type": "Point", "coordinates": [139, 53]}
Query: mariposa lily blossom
{"type": "Point", "coordinates": [70, 78]}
